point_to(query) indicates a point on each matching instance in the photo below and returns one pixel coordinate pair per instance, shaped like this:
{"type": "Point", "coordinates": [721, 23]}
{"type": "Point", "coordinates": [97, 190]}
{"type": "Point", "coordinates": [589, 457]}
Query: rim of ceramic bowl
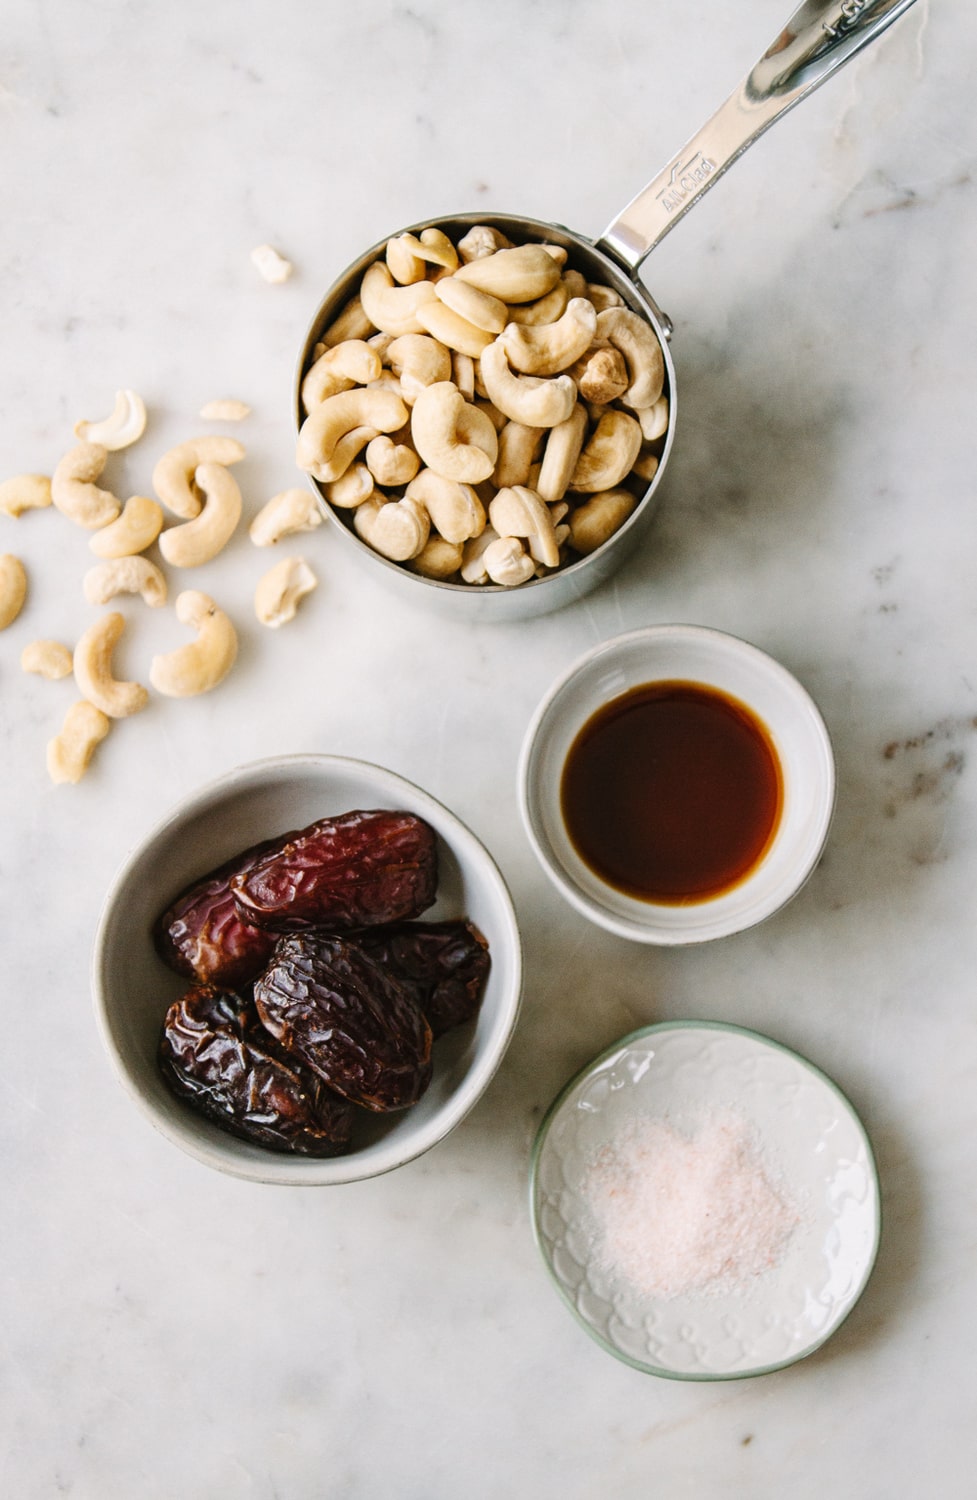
{"type": "Point", "coordinates": [295, 1170]}
{"type": "Point", "coordinates": [539, 1143]}
{"type": "Point", "coordinates": [667, 925]}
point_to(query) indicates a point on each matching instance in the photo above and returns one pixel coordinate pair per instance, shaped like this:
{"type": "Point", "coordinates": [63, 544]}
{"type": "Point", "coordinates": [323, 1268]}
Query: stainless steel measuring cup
{"type": "Point", "coordinates": [818, 39]}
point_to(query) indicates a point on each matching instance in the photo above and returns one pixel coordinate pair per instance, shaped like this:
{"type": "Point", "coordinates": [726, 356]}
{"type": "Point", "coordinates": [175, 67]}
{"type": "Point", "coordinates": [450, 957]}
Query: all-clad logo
{"type": "Point", "coordinates": [850, 12]}
{"type": "Point", "coordinates": [683, 180]}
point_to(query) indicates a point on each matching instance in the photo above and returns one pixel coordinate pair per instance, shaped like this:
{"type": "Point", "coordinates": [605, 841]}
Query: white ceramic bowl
{"type": "Point", "coordinates": [133, 988]}
{"type": "Point", "coordinates": [687, 653]}
{"type": "Point", "coordinates": [811, 1147]}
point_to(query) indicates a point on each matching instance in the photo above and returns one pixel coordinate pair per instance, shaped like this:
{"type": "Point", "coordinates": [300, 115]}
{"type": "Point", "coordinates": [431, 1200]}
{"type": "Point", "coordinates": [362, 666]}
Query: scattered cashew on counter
{"type": "Point", "coordinates": [526, 409]}
{"type": "Point", "coordinates": [201, 664]}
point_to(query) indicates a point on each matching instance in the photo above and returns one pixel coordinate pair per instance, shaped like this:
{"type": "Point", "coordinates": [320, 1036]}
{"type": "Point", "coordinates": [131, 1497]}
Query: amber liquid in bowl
{"type": "Point", "coordinates": [672, 793]}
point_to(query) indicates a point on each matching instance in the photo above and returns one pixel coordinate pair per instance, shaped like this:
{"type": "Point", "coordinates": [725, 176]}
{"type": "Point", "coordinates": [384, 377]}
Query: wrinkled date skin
{"type": "Point", "coordinates": [203, 936]}
{"type": "Point", "coordinates": [357, 870]}
{"type": "Point", "coordinates": [215, 1054]}
{"type": "Point", "coordinates": [444, 965]}
{"type": "Point", "coordinates": [331, 1005]}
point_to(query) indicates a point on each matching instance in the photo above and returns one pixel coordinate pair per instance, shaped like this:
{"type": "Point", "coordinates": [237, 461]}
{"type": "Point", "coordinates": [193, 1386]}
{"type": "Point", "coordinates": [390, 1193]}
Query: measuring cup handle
{"type": "Point", "coordinates": [817, 40]}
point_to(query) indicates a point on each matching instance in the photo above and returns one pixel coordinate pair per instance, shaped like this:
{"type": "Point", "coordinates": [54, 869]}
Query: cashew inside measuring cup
{"type": "Point", "coordinates": [531, 329]}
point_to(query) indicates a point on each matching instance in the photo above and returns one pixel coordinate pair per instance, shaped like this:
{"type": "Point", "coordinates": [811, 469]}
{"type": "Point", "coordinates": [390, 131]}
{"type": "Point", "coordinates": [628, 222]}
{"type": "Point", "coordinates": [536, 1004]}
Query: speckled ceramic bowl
{"type": "Point", "coordinates": [133, 988]}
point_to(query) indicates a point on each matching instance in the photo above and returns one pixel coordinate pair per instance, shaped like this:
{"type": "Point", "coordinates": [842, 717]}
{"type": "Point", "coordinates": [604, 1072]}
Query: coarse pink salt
{"type": "Point", "coordinates": [679, 1213]}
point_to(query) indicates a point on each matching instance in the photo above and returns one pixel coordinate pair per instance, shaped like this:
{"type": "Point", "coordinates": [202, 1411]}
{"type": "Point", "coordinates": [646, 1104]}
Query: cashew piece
{"type": "Point", "coordinates": [545, 309]}
{"type": "Point", "coordinates": [351, 488]}
{"type": "Point", "coordinates": [125, 424]}
{"type": "Point", "coordinates": [270, 265]}
{"type": "Point", "coordinates": [601, 375]}
{"type": "Point", "coordinates": [476, 307]}
{"type": "Point", "coordinates": [463, 374]}
{"type": "Point", "coordinates": [519, 512]}
{"type": "Point", "coordinates": [551, 348]}
{"type": "Point", "coordinates": [450, 328]}
{"type": "Point", "coordinates": [609, 454]}
{"type": "Point", "coordinates": [432, 246]}
{"type": "Point", "coordinates": [174, 472]}
{"type": "Point", "coordinates": [13, 588]}
{"type": "Point", "coordinates": [48, 659]}
{"type": "Point", "coordinates": [603, 296]}
{"type": "Point", "coordinates": [563, 448]}
{"type": "Point", "coordinates": [529, 399]}
{"type": "Point", "coordinates": [518, 449]}
{"type": "Point", "coordinates": [397, 529]}
{"type": "Point", "coordinates": [288, 511]}
{"type": "Point", "coordinates": [482, 240]}
{"type": "Point", "coordinates": [133, 531]}
{"type": "Point", "coordinates": [277, 596]}
{"type": "Point", "coordinates": [125, 575]}
{"type": "Point", "coordinates": [76, 495]}
{"type": "Point", "coordinates": [339, 368]}
{"type": "Point", "coordinates": [642, 353]}
{"type": "Point", "coordinates": [452, 436]}
{"type": "Point", "coordinates": [390, 463]}
{"type": "Point", "coordinates": [404, 266]}
{"type": "Point", "coordinates": [522, 274]}
{"type": "Point", "coordinates": [203, 663]}
{"type": "Point", "coordinates": [437, 558]}
{"type": "Point", "coordinates": [473, 569]}
{"type": "Point", "coordinates": [592, 523]}
{"type": "Point", "coordinates": [507, 562]}
{"type": "Point", "coordinates": [24, 492]}
{"type": "Point", "coordinates": [646, 465]}
{"type": "Point", "coordinates": [93, 670]}
{"type": "Point", "coordinates": [225, 409]}
{"type": "Point", "coordinates": [654, 420]}
{"type": "Point", "coordinates": [69, 753]}
{"type": "Point", "coordinates": [392, 308]}
{"type": "Point", "coordinates": [199, 540]}
{"type": "Point", "coordinates": [418, 360]}
{"type": "Point", "coordinates": [454, 508]}
{"type": "Point", "coordinates": [326, 445]}
{"type": "Point", "coordinates": [350, 323]}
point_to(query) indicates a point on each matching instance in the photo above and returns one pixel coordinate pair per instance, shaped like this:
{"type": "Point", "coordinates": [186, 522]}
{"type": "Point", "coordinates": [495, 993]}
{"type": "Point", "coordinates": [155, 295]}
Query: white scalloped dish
{"type": "Point", "coordinates": [676, 1080]}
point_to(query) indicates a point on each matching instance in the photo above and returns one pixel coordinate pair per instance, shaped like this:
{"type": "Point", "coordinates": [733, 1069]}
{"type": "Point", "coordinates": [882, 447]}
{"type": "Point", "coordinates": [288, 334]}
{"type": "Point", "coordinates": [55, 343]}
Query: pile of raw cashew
{"type": "Point", "coordinates": [194, 484]}
{"type": "Point", "coordinates": [484, 412]}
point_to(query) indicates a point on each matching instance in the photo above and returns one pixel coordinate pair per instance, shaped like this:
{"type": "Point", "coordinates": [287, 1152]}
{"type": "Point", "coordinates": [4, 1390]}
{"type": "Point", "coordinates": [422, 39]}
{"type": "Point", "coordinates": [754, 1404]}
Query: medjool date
{"type": "Point", "coordinates": [203, 936]}
{"type": "Point", "coordinates": [330, 1004]}
{"type": "Point", "coordinates": [343, 873]}
{"type": "Point", "coordinates": [444, 965]}
{"type": "Point", "coordinates": [215, 1054]}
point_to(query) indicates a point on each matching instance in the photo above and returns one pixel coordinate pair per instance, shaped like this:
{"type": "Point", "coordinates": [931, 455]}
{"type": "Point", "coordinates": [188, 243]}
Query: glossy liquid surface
{"type": "Point", "coordinates": [672, 792]}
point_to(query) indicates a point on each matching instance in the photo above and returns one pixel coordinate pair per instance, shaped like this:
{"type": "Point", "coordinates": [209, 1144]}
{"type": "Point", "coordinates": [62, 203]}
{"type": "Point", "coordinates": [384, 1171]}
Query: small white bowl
{"type": "Point", "coordinates": [687, 653]}
{"type": "Point", "coordinates": [133, 988]}
{"type": "Point", "coordinates": [812, 1148]}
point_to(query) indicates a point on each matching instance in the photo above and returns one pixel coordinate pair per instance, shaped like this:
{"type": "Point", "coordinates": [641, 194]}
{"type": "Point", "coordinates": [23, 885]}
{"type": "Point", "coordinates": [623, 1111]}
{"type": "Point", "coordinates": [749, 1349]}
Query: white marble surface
{"type": "Point", "coordinates": [171, 1332]}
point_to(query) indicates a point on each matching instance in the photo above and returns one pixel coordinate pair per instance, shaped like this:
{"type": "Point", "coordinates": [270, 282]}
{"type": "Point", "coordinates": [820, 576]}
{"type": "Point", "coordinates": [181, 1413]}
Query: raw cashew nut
{"type": "Point", "coordinates": [125, 575]}
{"type": "Point", "coordinates": [69, 753]}
{"type": "Point", "coordinates": [642, 353]}
{"type": "Point", "coordinates": [174, 472]}
{"type": "Point", "coordinates": [454, 508]}
{"type": "Point", "coordinates": [93, 670]}
{"type": "Point", "coordinates": [601, 375]}
{"type": "Point", "coordinates": [404, 266]}
{"type": "Point", "coordinates": [530, 399]}
{"type": "Point", "coordinates": [13, 588]}
{"type": "Point", "coordinates": [125, 424]}
{"type": "Point", "coordinates": [452, 436]}
{"type": "Point", "coordinates": [437, 558]}
{"type": "Point", "coordinates": [474, 306]}
{"type": "Point", "coordinates": [450, 328]}
{"type": "Point", "coordinates": [519, 512]}
{"type": "Point", "coordinates": [351, 323]}
{"type": "Point", "coordinates": [287, 512]}
{"type": "Point", "coordinates": [351, 488]}
{"type": "Point", "coordinates": [608, 456]}
{"type": "Point", "coordinates": [326, 445]}
{"type": "Point", "coordinates": [24, 492]}
{"type": "Point", "coordinates": [482, 240]}
{"type": "Point", "coordinates": [203, 663]}
{"type": "Point", "coordinates": [431, 246]}
{"type": "Point", "coordinates": [522, 274]}
{"type": "Point", "coordinates": [270, 265]}
{"type": "Point", "coordinates": [339, 368]}
{"type": "Point", "coordinates": [418, 361]}
{"type": "Point", "coordinates": [603, 296]}
{"type": "Point", "coordinates": [392, 308]}
{"type": "Point", "coordinates": [545, 309]}
{"type": "Point", "coordinates": [592, 523]}
{"type": "Point", "coordinates": [518, 450]}
{"type": "Point", "coordinates": [646, 465]}
{"type": "Point", "coordinates": [74, 492]}
{"type": "Point", "coordinates": [507, 562]}
{"type": "Point", "coordinates": [654, 420]}
{"type": "Point", "coordinates": [199, 540]}
{"type": "Point", "coordinates": [548, 349]}
{"type": "Point", "coordinates": [397, 529]}
{"type": "Point", "coordinates": [48, 659]}
{"type": "Point", "coordinates": [391, 463]}
{"type": "Point", "coordinates": [563, 448]}
{"type": "Point", "coordinates": [473, 568]}
{"type": "Point", "coordinates": [277, 596]}
{"type": "Point", "coordinates": [136, 529]}
{"type": "Point", "coordinates": [225, 409]}
{"type": "Point", "coordinates": [463, 374]}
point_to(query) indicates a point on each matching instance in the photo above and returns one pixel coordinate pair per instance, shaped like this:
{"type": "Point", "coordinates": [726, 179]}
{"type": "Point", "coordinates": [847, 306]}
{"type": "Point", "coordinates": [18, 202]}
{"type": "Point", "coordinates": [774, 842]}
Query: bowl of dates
{"type": "Point", "coordinates": [308, 973]}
